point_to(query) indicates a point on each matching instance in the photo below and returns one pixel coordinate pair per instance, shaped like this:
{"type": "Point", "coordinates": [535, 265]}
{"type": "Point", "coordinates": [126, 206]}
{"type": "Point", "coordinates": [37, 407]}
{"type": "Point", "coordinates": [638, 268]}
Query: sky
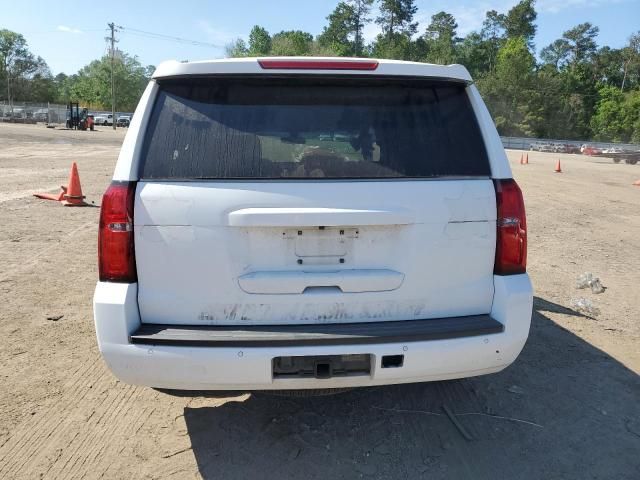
{"type": "Point", "coordinates": [69, 35]}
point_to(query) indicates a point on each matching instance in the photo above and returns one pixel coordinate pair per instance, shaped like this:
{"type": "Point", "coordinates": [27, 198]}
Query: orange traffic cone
{"type": "Point", "coordinates": [558, 169]}
{"type": "Point", "coordinates": [71, 195]}
{"type": "Point", "coordinates": [522, 159]}
{"type": "Point", "coordinates": [47, 196]}
{"type": "Point", "coordinates": [526, 159]}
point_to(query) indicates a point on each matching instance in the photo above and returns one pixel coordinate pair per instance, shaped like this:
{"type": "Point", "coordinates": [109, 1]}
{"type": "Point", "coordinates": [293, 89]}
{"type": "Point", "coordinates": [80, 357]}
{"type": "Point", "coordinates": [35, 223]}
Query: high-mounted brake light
{"type": "Point", "coordinates": [276, 64]}
{"type": "Point", "coordinates": [511, 223]}
{"type": "Point", "coordinates": [116, 254]}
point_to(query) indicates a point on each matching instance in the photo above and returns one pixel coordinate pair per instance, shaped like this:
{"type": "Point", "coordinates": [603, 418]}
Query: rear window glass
{"type": "Point", "coordinates": [300, 128]}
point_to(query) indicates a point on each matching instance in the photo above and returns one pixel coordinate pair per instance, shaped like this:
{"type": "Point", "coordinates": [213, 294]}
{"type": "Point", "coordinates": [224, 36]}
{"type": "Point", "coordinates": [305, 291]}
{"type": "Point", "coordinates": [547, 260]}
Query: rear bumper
{"type": "Point", "coordinates": [237, 364]}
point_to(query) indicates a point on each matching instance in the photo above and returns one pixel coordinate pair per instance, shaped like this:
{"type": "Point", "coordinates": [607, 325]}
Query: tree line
{"type": "Point", "coordinates": [25, 77]}
{"type": "Point", "coordinates": [570, 89]}
{"type": "Point", "coordinates": [574, 89]}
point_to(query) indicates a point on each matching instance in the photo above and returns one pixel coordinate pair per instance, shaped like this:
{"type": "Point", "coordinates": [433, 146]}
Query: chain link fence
{"type": "Point", "coordinates": [564, 146]}
{"type": "Point", "coordinates": [31, 112]}
{"type": "Point", "coordinates": [50, 113]}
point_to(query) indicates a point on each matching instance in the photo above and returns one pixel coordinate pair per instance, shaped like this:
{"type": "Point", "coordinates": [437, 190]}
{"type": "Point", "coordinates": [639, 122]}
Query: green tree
{"type": "Point", "coordinates": [617, 115]}
{"type": "Point", "coordinates": [492, 35]}
{"type": "Point", "coordinates": [16, 59]}
{"type": "Point", "coordinates": [631, 54]}
{"type": "Point", "coordinates": [92, 85]}
{"type": "Point", "coordinates": [577, 45]}
{"type": "Point", "coordinates": [574, 59]}
{"type": "Point", "coordinates": [581, 42]}
{"type": "Point", "coordinates": [237, 48]}
{"type": "Point", "coordinates": [62, 83]}
{"type": "Point", "coordinates": [292, 43]}
{"type": "Point", "coordinates": [396, 16]}
{"type": "Point", "coordinates": [608, 66]}
{"type": "Point", "coordinates": [344, 34]}
{"type": "Point", "coordinates": [342, 26]}
{"type": "Point", "coordinates": [556, 53]}
{"type": "Point", "coordinates": [396, 22]}
{"type": "Point", "coordinates": [520, 21]}
{"type": "Point", "coordinates": [259, 42]}
{"type": "Point", "coordinates": [440, 39]}
{"type": "Point", "coordinates": [508, 91]}
{"type": "Point", "coordinates": [37, 86]}
{"type": "Point", "coordinates": [397, 46]}
{"type": "Point", "coordinates": [478, 51]}
{"type": "Point", "coordinates": [554, 106]}
{"type": "Point", "coordinates": [362, 10]}
{"type": "Point", "coordinates": [472, 53]}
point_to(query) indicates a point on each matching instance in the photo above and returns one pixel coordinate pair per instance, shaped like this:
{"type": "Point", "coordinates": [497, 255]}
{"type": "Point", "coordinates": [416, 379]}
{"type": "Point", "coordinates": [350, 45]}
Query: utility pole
{"type": "Point", "coordinates": [6, 70]}
{"type": "Point", "coordinates": [112, 27]}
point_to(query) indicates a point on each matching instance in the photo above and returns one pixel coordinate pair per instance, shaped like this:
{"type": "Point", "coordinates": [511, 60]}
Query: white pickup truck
{"type": "Point", "coordinates": [103, 119]}
{"type": "Point", "coordinates": [304, 223]}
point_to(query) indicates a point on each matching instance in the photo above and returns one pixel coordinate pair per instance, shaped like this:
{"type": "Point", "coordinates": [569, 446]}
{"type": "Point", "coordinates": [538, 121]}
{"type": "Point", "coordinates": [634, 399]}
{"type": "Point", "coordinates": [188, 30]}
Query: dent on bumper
{"type": "Point", "coordinates": [200, 368]}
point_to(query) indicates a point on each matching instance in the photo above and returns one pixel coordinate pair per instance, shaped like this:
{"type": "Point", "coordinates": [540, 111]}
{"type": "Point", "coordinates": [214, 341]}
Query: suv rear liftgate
{"type": "Point", "coordinates": [301, 201]}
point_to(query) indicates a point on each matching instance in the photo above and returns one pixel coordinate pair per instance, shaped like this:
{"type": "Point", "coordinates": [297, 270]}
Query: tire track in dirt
{"type": "Point", "coordinates": [76, 378]}
{"type": "Point", "coordinates": [37, 256]}
{"type": "Point", "coordinates": [84, 425]}
{"type": "Point", "coordinates": [32, 435]}
{"type": "Point", "coordinates": [98, 435]}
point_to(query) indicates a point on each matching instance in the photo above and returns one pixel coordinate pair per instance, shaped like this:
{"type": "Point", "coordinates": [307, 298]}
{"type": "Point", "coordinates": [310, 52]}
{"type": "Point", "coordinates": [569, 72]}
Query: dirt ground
{"type": "Point", "coordinates": [568, 408]}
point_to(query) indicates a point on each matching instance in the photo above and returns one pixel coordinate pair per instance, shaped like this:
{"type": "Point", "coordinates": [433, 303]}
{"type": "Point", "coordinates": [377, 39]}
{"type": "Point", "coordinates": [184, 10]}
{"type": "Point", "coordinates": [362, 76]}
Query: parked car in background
{"type": "Point", "coordinates": [123, 121]}
{"type": "Point", "coordinates": [572, 148]}
{"type": "Point", "coordinates": [41, 115]}
{"type": "Point", "coordinates": [17, 112]}
{"type": "Point", "coordinates": [612, 150]}
{"type": "Point", "coordinates": [104, 119]}
{"type": "Point", "coordinates": [541, 147]}
{"type": "Point", "coordinates": [239, 250]}
{"type": "Point", "coordinates": [546, 147]}
{"type": "Point", "coordinates": [590, 150]}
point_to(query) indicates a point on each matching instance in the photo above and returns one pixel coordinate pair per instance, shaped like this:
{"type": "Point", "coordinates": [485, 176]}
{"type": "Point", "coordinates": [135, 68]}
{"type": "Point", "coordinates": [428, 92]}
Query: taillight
{"type": "Point", "coordinates": [297, 64]}
{"type": "Point", "coordinates": [511, 240]}
{"type": "Point", "coordinates": [116, 254]}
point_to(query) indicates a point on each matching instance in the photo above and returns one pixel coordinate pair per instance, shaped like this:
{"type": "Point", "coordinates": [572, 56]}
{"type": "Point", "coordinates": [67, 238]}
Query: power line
{"type": "Point", "coordinates": [160, 36]}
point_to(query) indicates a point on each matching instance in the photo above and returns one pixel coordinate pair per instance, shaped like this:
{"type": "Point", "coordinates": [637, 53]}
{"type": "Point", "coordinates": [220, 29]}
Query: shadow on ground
{"type": "Point", "coordinates": [584, 401]}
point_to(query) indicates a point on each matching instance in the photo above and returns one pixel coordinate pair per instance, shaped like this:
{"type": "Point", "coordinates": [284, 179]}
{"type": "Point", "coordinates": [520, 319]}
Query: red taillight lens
{"type": "Point", "coordinates": [511, 241]}
{"type": "Point", "coordinates": [116, 254]}
{"type": "Point", "coordinates": [295, 64]}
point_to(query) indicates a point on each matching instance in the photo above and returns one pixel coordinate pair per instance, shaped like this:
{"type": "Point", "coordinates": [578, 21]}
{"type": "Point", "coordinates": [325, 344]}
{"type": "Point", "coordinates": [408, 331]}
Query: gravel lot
{"type": "Point", "coordinates": [568, 408]}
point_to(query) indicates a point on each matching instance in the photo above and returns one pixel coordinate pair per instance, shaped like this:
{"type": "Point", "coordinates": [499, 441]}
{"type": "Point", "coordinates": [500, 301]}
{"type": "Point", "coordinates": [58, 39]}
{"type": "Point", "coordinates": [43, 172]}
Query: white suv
{"type": "Point", "coordinates": [298, 223]}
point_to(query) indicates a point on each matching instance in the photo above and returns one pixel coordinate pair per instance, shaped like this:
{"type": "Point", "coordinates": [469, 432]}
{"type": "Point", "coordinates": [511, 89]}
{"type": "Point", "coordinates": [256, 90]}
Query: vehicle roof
{"type": "Point", "coordinates": [250, 65]}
